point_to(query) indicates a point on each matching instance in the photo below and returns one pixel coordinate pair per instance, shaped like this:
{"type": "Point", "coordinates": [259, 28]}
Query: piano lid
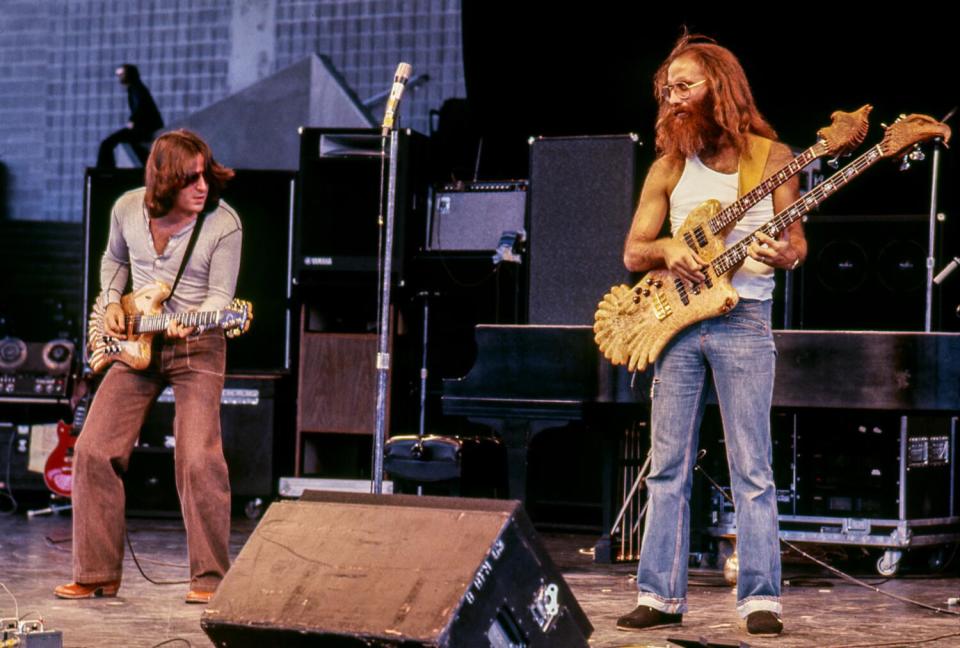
{"type": "Point", "coordinates": [868, 370]}
{"type": "Point", "coordinates": [558, 369]}
{"type": "Point", "coordinates": [545, 366]}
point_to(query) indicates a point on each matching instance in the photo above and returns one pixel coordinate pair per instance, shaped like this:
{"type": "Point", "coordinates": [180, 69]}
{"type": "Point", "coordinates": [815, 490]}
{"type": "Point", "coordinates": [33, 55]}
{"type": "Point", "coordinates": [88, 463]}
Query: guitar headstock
{"type": "Point", "coordinates": [846, 131]}
{"type": "Point", "coordinates": [235, 319]}
{"type": "Point", "coordinates": [909, 131]}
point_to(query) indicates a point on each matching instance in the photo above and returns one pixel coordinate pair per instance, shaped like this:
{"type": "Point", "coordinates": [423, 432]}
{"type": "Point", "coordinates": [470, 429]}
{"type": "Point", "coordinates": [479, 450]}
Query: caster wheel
{"type": "Point", "coordinates": [889, 563]}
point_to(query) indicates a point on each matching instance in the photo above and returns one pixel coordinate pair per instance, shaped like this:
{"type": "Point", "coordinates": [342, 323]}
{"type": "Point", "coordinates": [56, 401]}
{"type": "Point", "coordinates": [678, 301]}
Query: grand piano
{"type": "Point", "coordinates": [530, 378]}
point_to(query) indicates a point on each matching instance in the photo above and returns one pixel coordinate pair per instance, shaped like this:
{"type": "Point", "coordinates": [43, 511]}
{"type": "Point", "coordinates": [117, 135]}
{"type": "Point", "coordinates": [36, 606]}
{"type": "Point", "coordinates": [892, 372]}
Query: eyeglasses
{"type": "Point", "coordinates": [682, 88]}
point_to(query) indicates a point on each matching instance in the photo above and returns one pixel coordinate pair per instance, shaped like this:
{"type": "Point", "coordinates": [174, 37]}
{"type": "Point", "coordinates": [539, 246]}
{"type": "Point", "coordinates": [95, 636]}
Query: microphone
{"type": "Point", "coordinates": [404, 70]}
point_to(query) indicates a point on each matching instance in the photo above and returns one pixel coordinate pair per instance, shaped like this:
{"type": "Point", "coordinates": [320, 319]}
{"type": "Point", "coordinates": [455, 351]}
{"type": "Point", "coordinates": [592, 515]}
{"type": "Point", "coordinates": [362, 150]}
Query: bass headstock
{"type": "Point", "coordinates": [905, 135]}
{"type": "Point", "coordinates": [846, 131]}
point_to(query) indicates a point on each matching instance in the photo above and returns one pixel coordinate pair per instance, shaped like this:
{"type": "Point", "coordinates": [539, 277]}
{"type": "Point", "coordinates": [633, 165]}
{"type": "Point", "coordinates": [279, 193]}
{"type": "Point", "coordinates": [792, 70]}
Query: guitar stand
{"type": "Point", "coordinates": [53, 509]}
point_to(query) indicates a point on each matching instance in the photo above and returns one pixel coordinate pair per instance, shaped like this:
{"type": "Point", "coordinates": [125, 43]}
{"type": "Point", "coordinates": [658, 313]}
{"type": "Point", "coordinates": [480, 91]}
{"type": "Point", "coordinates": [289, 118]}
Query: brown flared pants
{"type": "Point", "coordinates": [194, 368]}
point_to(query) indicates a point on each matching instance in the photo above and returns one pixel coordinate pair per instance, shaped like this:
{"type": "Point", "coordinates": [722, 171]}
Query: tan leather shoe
{"type": "Point", "coordinates": [198, 596]}
{"type": "Point", "coordinates": [87, 590]}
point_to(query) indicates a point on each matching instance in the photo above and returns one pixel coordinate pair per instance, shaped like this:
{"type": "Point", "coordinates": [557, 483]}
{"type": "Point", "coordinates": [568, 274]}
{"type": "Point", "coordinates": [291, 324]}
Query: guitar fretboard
{"type": "Point", "coordinates": [735, 211]}
{"type": "Point", "coordinates": [737, 252]}
{"type": "Point", "coordinates": [157, 323]}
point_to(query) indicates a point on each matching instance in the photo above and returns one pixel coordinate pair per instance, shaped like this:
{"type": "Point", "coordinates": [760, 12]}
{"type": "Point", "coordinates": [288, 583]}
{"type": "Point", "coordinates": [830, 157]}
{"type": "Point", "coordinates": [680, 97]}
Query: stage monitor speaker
{"type": "Point", "coordinates": [338, 204]}
{"type": "Point", "coordinates": [264, 202]}
{"type": "Point", "coordinates": [583, 191]}
{"type": "Point", "coordinates": [477, 215]}
{"type": "Point", "coordinates": [864, 273]}
{"type": "Point", "coordinates": [341, 569]}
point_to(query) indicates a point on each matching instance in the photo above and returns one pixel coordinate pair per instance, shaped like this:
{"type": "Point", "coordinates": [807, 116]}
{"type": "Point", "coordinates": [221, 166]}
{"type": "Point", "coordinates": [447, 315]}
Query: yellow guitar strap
{"type": "Point", "coordinates": [752, 162]}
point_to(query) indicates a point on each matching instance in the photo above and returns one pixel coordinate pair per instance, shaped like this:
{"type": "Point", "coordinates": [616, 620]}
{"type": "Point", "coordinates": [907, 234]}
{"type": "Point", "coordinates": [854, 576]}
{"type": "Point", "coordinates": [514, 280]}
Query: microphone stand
{"type": "Point", "coordinates": [386, 222]}
{"type": "Point", "coordinates": [932, 233]}
{"type": "Point", "coordinates": [385, 267]}
{"type": "Point", "coordinates": [932, 238]}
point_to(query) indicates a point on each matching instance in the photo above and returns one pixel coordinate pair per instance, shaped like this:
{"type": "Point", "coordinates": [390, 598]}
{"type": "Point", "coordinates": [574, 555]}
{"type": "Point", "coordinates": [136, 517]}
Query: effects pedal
{"type": "Point", "coordinates": [28, 634]}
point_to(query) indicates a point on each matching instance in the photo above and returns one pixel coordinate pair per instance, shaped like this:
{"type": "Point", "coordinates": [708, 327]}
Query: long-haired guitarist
{"type": "Point", "coordinates": [711, 140]}
{"type": "Point", "coordinates": [150, 232]}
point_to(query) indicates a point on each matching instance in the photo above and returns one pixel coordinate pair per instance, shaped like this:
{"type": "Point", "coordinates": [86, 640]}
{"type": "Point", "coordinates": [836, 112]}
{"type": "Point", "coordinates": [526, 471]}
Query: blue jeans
{"type": "Point", "coordinates": [738, 350]}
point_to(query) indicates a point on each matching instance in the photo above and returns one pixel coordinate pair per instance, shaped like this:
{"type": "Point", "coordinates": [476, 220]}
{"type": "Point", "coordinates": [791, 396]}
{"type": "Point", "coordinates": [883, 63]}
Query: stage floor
{"type": "Point", "coordinates": [819, 610]}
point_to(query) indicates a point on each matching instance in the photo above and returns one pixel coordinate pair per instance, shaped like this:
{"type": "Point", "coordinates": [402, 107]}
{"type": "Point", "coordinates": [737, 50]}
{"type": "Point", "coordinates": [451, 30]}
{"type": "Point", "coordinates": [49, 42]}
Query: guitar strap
{"type": "Point", "coordinates": [752, 163]}
{"type": "Point", "coordinates": [189, 251]}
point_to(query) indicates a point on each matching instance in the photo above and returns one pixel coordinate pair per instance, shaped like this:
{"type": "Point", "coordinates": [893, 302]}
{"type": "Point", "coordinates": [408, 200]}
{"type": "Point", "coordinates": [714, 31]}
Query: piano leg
{"type": "Point", "coordinates": [516, 435]}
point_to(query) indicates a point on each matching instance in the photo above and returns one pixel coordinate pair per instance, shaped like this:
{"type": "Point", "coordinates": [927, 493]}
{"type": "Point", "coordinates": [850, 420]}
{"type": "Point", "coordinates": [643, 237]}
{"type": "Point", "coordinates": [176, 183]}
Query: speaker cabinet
{"type": "Point", "coordinates": [337, 569]}
{"type": "Point", "coordinates": [583, 191]}
{"type": "Point", "coordinates": [264, 201]}
{"type": "Point", "coordinates": [43, 301]}
{"type": "Point", "coordinates": [864, 273]}
{"type": "Point", "coordinates": [248, 422]}
{"type": "Point", "coordinates": [339, 203]}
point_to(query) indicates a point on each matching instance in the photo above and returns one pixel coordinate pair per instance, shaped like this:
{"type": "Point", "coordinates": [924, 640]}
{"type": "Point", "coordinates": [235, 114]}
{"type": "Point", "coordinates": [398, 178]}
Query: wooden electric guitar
{"type": "Point", "coordinates": [632, 325]}
{"type": "Point", "coordinates": [143, 311]}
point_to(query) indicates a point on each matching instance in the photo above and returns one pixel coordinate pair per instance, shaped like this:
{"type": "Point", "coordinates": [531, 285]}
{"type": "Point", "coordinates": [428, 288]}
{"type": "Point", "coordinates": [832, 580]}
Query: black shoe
{"type": "Point", "coordinates": [764, 622]}
{"type": "Point", "coordinates": [644, 616]}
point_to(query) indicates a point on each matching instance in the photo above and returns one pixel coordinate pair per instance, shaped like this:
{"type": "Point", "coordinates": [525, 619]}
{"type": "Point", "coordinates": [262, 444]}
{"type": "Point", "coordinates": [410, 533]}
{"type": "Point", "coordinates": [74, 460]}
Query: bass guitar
{"type": "Point", "coordinates": [633, 324]}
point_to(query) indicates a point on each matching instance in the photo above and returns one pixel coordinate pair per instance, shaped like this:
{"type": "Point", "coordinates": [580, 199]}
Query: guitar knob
{"type": "Point", "coordinates": [636, 299]}
{"type": "Point", "coordinates": [646, 293]}
{"type": "Point", "coordinates": [658, 284]}
{"type": "Point", "coordinates": [649, 281]}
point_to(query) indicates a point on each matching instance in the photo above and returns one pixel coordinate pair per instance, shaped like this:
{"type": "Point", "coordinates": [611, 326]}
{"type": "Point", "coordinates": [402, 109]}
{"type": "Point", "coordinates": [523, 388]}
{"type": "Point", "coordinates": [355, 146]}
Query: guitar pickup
{"type": "Point", "coordinates": [701, 236]}
{"type": "Point", "coordinates": [684, 297]}
{"type": "Point", "coordinates": [661, 307]}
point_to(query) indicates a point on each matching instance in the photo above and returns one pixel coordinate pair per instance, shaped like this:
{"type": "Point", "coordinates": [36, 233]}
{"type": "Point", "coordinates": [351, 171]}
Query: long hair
{"type": "Point", "coordinates": [170, 165]}
{"type": "Point", "coordinates": [733, 108]}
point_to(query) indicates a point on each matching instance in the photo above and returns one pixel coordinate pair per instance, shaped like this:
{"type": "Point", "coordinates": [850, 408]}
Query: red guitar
{"type": "Point", "coordinates": [58, 471]}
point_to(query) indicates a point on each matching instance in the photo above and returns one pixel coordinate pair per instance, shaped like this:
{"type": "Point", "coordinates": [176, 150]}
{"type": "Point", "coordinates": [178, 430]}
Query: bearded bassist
{"type": "Point", "coordinates": [709, 133]}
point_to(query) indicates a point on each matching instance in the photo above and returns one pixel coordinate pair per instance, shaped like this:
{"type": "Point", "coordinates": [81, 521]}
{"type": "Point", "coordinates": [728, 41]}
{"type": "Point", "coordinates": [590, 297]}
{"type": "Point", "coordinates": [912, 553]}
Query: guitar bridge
{"type": "Point", "coordinates": [661, 307]}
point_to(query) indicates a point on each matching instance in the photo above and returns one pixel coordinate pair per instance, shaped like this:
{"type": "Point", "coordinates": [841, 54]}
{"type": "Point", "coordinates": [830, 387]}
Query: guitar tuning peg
{"type": "Point", "coordinates": [917, 154]}
{"type": "Point", "coordinates": [834, 163]}
{"type": "Point", "coordinates": [905, 163]}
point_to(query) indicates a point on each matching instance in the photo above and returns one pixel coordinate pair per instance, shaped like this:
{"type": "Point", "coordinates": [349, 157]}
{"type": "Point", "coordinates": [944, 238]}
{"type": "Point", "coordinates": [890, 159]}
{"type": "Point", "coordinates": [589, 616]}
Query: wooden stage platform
{"type": "Point", "coordinates": [819, 609]}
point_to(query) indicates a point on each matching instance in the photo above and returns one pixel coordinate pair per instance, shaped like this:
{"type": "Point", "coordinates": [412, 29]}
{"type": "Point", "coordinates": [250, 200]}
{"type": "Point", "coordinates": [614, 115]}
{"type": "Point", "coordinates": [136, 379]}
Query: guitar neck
{"type": "Point", "coordinates": [158, 323]}
{"type": "Point", "coordinates": [734, 212]}
{"type": "Point", "coordinates": [736, 253]}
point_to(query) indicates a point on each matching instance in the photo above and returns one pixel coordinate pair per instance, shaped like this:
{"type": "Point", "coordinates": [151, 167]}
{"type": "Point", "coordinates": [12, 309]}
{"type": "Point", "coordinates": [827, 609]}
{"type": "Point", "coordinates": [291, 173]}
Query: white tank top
{"type": "Point", "coordinates": [754, 280]}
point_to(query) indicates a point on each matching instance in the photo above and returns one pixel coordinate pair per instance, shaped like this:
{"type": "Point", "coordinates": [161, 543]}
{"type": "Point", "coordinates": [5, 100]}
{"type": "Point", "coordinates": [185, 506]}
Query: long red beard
{"type": "Point", "coordinates": [689, 136]}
